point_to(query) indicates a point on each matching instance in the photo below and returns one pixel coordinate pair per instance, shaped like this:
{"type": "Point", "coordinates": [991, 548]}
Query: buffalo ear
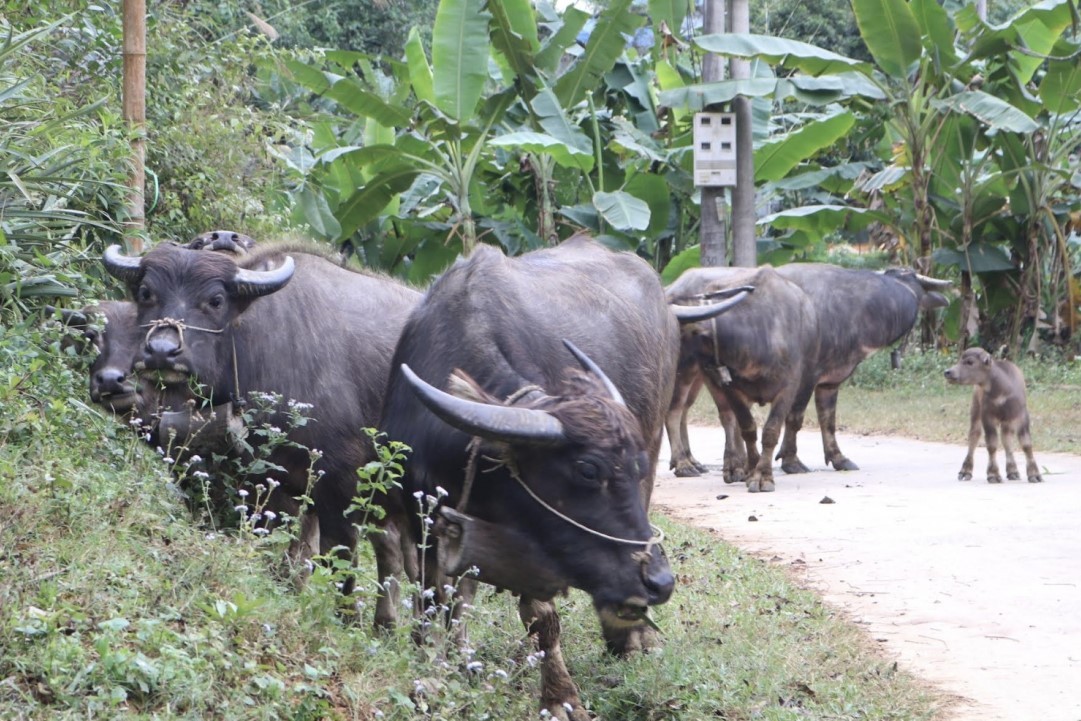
{"type": "Point", "coordinates": [987, 359]}
{"type": "Point", "coordinates": [460, 385]}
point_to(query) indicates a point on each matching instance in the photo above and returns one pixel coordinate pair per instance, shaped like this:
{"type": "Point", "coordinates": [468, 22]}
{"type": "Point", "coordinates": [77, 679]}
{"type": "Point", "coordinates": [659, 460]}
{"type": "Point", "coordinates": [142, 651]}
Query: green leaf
{"type": "Point", "coordinates": [355, 98]}
{"type": "Point", "coordinates": [553, 49]}
{"type": "Point", "coordinates": [1060, 89]}
{"type": "Point", "coordinates": [514, 35]}
{"type": "Point", "coordinates": [977, 258]}
{"type": "Point", "coordinates": [996, 114]}
{"type": "Point", "coordinates": [820, 220]}
{"type": "Point", "coordinates": [460, 48]}
{"type": "Point", "coordinates": [554, 121]}
{"type": "Point", "coordinates": [670, 12]}
{"type": "Point", "coordinates": [891, 33]}
{"type": "Point", "coordinates": [564, 155]}
{"type": "Point", "coordinates": [420, 72]}
{"type": "Point", "coordinates": [696, 98]}
{"type": "Point", "coordinates": [682, 261]}
{"type": "Point", "coordinates": [317, 214]}
{"type": "Point", "coordinates": [622, 210]}
{"type": "Point", "coordinates": [788, 54]}
{"type": "Point", "coordinates": [313, 78]}
{"type": "Point", "coordinates": [606, 43]}
{"type": "Point", "coordinates": [653, 190]}
{"type": "Point", "coordinates": [773, 160]}
{"type": "Point", "coordinates": [936, 29]}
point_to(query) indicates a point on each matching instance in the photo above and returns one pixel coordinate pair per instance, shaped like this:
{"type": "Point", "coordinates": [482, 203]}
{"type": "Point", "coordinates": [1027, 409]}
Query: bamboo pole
{"type": "Point", "coordinates": [134, 101]}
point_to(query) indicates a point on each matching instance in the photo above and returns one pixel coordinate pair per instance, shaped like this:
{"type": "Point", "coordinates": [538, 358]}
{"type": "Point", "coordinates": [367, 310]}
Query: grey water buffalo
{"type": "Point", "coordinates": [856, 313]}
{"type": "Point", "coordinates": [763, 351]}
{"type": "Point", "coordinates": [998, 403]}
{"type": "Point", "coordinates": [859, 312]}
{"type": "Point", "coordinates": [282, 320]}
{"type": "Point", "coordinates": [532, 392]}
{"type": "Point", "coordinates": [109, 333]}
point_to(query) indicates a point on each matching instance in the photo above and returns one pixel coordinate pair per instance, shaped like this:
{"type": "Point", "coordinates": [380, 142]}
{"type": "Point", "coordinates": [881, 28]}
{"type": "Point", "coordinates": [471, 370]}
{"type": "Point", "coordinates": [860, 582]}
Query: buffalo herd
{"type": "Point", "coordinates": [532, 393]}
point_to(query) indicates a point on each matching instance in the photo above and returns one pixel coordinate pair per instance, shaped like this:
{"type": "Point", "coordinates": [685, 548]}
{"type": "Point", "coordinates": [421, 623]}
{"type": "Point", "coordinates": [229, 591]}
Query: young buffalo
{"type": "Point", "coordinates": [998, 400]}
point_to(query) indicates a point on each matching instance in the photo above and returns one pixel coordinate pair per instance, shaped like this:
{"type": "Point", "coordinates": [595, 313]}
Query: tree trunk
{"type": "Point", "coordinates": [134, 101]}
{"type": "Point", "coordinates": [713, 232]}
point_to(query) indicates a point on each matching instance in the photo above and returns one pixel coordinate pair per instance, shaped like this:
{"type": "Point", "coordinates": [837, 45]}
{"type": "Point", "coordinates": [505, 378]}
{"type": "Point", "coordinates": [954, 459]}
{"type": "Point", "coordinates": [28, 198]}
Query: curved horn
{"type": "Point", "coordinates": [74, 318]}
{"type": "Point", "coordinates": [254, 283]}
{"type": "Point", "coordinates": [696, 313]}
{"type": "Point", "coordinates": [495, 422]}
{"type": "Point", "coordinates": [935, 283]}
{"type": "Point", "coordinates": [122, 267]}
{"type": "Point", "coordinates": [589, 365]}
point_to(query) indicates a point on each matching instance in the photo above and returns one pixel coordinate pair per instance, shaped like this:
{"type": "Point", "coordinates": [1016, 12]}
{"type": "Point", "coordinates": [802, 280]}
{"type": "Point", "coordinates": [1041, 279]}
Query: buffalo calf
{"type": "Point", "coordinates": [998, 401]}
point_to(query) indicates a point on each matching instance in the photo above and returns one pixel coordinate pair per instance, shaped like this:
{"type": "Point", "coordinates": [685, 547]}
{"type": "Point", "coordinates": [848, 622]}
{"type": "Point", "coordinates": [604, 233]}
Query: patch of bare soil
{"type": "Point", "coordinates": [972, 586]}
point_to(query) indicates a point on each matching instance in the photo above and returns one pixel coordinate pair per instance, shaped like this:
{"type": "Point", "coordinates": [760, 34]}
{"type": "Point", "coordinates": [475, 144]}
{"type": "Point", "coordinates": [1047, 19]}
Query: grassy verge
{"type": "Point", "coordinates": [117, 601]}
{"type": "Point", "coordinates": [916, 402]}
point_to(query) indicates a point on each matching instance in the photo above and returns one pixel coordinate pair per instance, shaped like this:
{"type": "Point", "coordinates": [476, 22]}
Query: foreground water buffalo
{"type": "Point", "coordinates": [532, 392]}
{"type": "Point", "coordinates": [763, 351]}
{"type": "Point", "coordinates": [998, 402]}
{"type": "Point", "coordinates": [856, 313]}
{"type": "Point", "coordinates": [279, 320]}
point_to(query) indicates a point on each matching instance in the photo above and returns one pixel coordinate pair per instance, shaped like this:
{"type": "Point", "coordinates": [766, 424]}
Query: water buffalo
{"type": "Point", "coordinates": [281, 320]}
{"type": "Point", "coordinates": [110, 333]}
{"type": "Point", "coordinates": [532, 391]}
{"type": "Point", "coordinates": [763, 351]}
{"type": "Point", "coordinates": [998, 401]}
{"type": "Point", "coordinates": [857, 312]}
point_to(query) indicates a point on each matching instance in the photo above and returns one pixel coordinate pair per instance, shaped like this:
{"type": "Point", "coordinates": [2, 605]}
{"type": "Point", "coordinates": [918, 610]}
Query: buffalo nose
{"type": "Point", "coordinates": [110, 380]}
{"type": "Point", "coordinates": [657, 578]}
{"type": "Point", "coordinates": [947, 373]}
{"type": "Point", "coordinates": [160, 352]}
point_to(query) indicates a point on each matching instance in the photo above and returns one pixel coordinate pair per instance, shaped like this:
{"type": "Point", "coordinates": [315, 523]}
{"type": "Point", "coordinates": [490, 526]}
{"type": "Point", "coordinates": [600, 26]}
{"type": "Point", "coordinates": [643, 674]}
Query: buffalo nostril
{"type": "Point", "coordinates": [659, 584]}
{"type": "Point", "coordinates": [110, 380]}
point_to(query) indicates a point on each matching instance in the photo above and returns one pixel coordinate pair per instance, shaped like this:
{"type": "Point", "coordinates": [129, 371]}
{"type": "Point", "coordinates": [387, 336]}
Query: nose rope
{"type": "Point", "coordinates": [178, 325]}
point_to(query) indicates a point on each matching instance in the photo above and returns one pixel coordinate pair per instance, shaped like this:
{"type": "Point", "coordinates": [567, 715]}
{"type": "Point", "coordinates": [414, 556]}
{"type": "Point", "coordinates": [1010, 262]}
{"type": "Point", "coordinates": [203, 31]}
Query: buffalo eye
{"type": "Point", "coordinates": [216, 301]}
{"type": "Point", "coordinates": [144, 294]}
{"type": "Point", "coordinates": [589, 471]}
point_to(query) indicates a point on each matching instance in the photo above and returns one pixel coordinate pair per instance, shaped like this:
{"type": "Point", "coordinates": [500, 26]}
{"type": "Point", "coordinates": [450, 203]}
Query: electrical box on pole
{"type": "Point", "coordinates": [714, 149]}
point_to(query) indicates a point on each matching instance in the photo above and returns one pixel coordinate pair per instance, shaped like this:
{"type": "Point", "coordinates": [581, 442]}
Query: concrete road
{"type": "Point", "coordinates": [974, 587]}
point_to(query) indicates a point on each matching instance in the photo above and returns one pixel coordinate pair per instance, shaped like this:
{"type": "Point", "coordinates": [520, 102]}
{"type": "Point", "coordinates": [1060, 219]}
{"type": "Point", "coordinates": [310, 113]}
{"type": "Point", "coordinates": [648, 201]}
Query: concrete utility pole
{"type": "Point", "coordinates": [744, 248]}
{"type": "Point", "coordinates": [713, 228]}
{"type": "Point", "coordinates": [134, 101]}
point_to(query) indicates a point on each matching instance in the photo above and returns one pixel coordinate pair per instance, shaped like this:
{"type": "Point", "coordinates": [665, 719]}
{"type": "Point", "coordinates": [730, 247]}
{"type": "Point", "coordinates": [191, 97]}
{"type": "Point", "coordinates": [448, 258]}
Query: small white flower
{"type": "Point", "coordinates": [261, 531]}
{"type": "Point", "coordinates": [241, 508]}
{"type": "Point", "coordinates": [419, 495]}
{"type": "Point", "coordinates": [270, 515]}
{"type": "Point", "coordinates": [242, 493]}
{"type": "Point", "coordinates": [474, 666]}
{"type": "Point", "coordinates": [195, 459]}
{"type": "Point", "coordinates": [167, 459]}
{"type": "Point", "coordinates": [501, 673]}
{"type": "Point", "coordinates": [428, 593]}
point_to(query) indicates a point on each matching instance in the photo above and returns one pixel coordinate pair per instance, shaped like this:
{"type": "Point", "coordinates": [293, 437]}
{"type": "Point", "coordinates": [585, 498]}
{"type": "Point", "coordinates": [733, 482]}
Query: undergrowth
{"type": "Point", "coordinates": [118, 601]}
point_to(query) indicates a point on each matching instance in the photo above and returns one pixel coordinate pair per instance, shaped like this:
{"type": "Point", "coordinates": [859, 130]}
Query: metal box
{"type": "Point", "coordinates": [714, 149]}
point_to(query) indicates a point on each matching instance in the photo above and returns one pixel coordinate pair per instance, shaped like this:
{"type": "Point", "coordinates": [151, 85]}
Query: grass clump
{"type": "Point", "coordinates": [117, 601]}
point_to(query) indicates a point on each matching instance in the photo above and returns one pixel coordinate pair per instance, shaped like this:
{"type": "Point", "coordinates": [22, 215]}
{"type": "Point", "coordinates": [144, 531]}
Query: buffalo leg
{"type": "Point", "coordinates": [682, 462]}
{"type": "Point", "coordinates": [974, 431]}
{"type": "Point", "coordinates": [990, 433]}
{"type": "Point", "coordinates": [559, 694]}
{"type": "Point", "coordinates": [1024, 437]}
{"type": "Point", "coordinates": [761, 479]}
{"type": "Point", "coordinates": [790, 462]}
{"type": "Point", "coordinates": [735, 450]}
{"type": "Point", "coordinates": [1012, 474]}
{"type": "Point", "coordinates": [387, 542]}
{"type": "Point", "coordinates": [826, 406]}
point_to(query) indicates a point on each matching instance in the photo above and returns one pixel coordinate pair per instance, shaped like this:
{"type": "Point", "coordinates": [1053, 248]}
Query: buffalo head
{"type": "Point", "coordinates": [186, 303]}
{"type": "Point", "coordinates": [109, 334]}
{"type": "Point", "coordinates": [926, 289]}
{"type": "Point", "coordinates": [577, 461]}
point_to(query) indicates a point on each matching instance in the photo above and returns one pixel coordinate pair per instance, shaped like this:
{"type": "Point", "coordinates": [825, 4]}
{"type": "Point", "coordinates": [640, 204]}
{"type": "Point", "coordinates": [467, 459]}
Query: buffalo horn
{"type": "Point", "coordinates": [120, 266]}
{"type": "Point", "coordinates": [74, 318]}
{"type": "Point", "coordinates": [935, 283]}
{"type": "Point", "coordinates": [491, 421]}
{"type": "Point", "coordinates": [253, 283]}
{"type": "Point", "coordinates": [697, 313]}
{"type": "Point", "coordinates": [589, 365]}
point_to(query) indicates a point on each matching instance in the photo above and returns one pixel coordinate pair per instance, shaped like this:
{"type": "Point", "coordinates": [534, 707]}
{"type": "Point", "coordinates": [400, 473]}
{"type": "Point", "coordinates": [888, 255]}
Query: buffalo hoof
{"type": "Point", "coordinates": [964, 476]}
{"type": "Point", "coordinates": [560, 712]}
{"type": "Point", "coordinates": [1013, 476]}
{"type": "Point", "coordinates": [843, 464]}
{"type": "Point", "coordinates": [1037, 478]}
{"type": "Point", "coordinates": [685, 470]}
{"type": "Point", "coordinates": [794, 466]}
{"type": "Point", "coordinates": [702, 468]}
{"type": "Point", "coordinates": [763, 485]}
{"type": "Point", "coordinates": [994, 478]}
